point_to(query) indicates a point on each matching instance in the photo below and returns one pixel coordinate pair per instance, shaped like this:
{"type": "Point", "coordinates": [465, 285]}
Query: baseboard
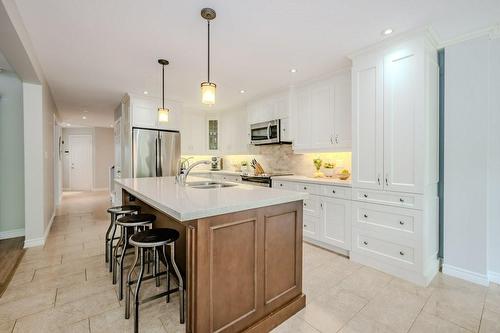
{"type": "Point", "coordinates": [466, 275]}
{"type": "Point", "coordinates": [41, 240]}
{"type": "Point", "coordinates": [100, 189]}
{"type": "Point", "coordinates": [12, 233]}
{"type": "Point", "coordinates": [494, 277]}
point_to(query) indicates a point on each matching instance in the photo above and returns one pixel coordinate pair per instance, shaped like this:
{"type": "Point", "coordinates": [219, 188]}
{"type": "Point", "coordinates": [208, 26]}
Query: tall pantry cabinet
{"type": "Point", "coordinates": [395, 158]}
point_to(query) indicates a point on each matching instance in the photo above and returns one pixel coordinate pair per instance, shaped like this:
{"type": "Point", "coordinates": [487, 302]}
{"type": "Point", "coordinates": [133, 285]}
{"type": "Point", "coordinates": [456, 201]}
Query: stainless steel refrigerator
{"type": "Point", "coordinates": [155, 153]}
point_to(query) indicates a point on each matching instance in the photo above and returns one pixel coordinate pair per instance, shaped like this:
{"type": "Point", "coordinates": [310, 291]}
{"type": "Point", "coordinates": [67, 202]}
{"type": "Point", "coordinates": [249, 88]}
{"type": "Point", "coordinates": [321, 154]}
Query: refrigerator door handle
{"type": "Point", "coordinates": [158, 157]}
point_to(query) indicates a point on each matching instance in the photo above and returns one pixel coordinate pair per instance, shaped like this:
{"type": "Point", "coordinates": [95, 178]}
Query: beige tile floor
{"type": "Point", "coordinates": [65, 287]}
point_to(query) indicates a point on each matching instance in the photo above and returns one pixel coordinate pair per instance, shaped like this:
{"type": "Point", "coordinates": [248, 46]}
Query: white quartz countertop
{"type": "Point", "coordinates": [185, 203]}
{"type": "Point", "coordinates": [311, 180]}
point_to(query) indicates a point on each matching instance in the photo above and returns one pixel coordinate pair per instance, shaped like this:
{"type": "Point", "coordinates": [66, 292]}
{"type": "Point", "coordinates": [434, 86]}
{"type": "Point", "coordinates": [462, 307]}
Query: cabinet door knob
{"type": "Point", "coordinates": [365, 195]}
{"type": "Point", "coordinates": [401, 200]}
{"type": "Point", "coordinates": [305, 225]}
{"type": "Point", "coordinates": [281, 184]}
{"type": "Point", "coordinates": [305, 188]}
{"type": "Point", "coordinates": [365, 242]}
{"type": "Point", "coordinates": [305, 204]}
{"type": "Point", "coordinates": [401, 222]}
{"type": "Point", "coordinates": [366, 216]}
{"type": "Point", "coordinates": [401, 253]}
{"type": "Point", "coordinates": [333, 191]}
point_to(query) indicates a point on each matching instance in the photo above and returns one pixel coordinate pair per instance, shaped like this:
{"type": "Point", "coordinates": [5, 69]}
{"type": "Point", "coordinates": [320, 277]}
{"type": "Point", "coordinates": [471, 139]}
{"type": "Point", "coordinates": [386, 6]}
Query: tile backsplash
{"type": "Point", "coordinates": [281, 158]}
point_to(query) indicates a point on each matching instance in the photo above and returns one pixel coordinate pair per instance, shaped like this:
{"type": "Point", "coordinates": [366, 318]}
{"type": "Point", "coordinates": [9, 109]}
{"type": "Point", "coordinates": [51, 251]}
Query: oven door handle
{"type": "Point", "coordinates": [269, 131]}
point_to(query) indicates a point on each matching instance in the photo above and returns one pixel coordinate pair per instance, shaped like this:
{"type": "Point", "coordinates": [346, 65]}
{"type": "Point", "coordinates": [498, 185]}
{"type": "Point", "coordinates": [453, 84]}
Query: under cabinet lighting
{"type": "Point", "coordinates": [242, 91]}
{"type": "Point", "coordinates": [293, 70]}
{"type": "Point", "coordinates": [84, 117]}
{"type": "Point", "coordinates": [145, 92]}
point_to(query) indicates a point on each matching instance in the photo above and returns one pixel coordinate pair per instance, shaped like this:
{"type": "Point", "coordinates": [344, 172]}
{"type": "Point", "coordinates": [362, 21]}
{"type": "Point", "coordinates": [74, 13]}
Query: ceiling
{"type": "Point", "coordinates": [94, 51]}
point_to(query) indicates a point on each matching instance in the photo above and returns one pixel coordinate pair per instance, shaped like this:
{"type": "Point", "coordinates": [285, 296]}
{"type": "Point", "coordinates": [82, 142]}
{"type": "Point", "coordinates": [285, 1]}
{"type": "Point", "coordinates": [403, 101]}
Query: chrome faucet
{"type": "Point", "coordinates": [183, 172]}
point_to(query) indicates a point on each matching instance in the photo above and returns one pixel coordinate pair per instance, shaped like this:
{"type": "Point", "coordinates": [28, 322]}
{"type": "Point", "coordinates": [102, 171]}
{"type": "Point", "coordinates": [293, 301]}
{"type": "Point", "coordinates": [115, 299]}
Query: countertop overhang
{"type": "Point", "coordinates": [185, 203]}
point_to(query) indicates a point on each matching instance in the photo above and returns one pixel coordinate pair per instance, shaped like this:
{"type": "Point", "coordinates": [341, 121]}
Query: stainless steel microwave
{"type": "Point", "coordinates": [267, 132]}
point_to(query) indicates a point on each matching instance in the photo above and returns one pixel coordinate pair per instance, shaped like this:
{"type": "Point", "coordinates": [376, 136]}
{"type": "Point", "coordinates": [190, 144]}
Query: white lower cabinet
{"type": "Point", "coordinates": [336, 222]}
{"type": "Point", "coordinates": [327, 213]}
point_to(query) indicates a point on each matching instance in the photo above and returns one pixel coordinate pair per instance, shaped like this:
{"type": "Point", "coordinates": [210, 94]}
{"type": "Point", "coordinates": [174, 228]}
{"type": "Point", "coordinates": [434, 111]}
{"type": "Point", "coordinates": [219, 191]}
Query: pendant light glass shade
{"type": "Point", "coordinates": [163, 115]}
{"type": "Point", "coordinates": [208, 93]}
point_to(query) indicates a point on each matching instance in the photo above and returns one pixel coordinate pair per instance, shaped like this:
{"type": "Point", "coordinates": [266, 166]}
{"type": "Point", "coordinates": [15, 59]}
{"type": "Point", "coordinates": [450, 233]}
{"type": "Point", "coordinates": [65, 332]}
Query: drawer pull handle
{"type": "Point", "coordinates": [333, 191]}
{"type": "Point", "coordinates": [401, 222]}
{"type": "Point", "coordinates": [365, 195]}
{"type": "Point", "coordinates": [366, 216]}
{"type": "Point", "coordinates": [365, 242]}
{"type": "Point", "coordinates": [401, 200]}
{"type": "Point", "coordinates": [401, 253]}
{"type": "Point", "coordinates": [281, 184]}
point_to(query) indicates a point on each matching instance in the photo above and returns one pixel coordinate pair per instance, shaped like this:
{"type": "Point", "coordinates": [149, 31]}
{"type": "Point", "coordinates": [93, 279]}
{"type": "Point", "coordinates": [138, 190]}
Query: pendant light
{"type": "Point", "coordinates": [163, 112]}
{"type": "Point", "coordinates": [208, 88]}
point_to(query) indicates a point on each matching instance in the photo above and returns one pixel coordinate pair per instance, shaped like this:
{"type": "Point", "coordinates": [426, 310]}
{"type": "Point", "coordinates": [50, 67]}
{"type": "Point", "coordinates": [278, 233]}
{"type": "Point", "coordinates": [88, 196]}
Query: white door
{"type": "Point", "coordinates": [336, 219]}
{"type": "Point", "coordinates": [367, 117]}
{"type": "Point", "coordinates": [322, 114]}
{"type": "Point", "coordinates": [80, 162]}
{"type": "Point", "coordinates": [403, 121]}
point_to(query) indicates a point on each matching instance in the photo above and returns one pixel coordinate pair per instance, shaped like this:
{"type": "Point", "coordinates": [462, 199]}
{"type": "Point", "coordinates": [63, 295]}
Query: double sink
{"type": "Point", "coordinates": [209, 184]}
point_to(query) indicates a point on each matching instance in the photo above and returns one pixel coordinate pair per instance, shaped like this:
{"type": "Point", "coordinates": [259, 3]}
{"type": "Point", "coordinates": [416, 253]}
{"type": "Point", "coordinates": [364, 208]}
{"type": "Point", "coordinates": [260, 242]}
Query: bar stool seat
{"type": "Point", "coordinates": [156, 239]}
{"type": "Point", "coordinates": [139, 222]}
{"type": "Point", "coordinates": [115, 212]}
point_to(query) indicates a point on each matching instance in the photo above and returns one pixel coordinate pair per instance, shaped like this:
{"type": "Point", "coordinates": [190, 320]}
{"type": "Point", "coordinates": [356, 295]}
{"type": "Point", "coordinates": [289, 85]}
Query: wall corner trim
{"type": "Point", "coordinates": [41, 240]}
{"type": "Point", "coordinates": [464, 274]}
{"type": "Point", "coordinates": [12, 233]}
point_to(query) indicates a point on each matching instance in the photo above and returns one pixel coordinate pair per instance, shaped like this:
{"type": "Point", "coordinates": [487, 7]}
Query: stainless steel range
{"type": "Point", "coordinates": [262, 180]}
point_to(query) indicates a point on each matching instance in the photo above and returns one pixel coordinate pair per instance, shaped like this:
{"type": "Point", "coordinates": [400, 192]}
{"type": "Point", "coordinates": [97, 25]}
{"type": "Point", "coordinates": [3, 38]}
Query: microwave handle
{"type": "Point", "coordinates": [269, 131]}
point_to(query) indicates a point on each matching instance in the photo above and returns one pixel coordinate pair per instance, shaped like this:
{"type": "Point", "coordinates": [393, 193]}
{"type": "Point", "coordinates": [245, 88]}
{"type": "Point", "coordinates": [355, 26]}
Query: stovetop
{"type": "Point", "coordinates": [269, 175]}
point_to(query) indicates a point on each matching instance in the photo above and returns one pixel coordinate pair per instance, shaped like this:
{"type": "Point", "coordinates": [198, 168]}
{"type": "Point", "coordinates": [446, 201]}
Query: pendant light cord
{"type": "Point", "coordinates": [163, 87]}
{"type": "Point", "coordinates": [208, 51]}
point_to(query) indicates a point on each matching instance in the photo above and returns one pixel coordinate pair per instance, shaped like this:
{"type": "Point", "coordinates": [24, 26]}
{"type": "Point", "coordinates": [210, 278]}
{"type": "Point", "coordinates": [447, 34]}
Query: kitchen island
{"type": "Point", "coordinates": [240, 250]}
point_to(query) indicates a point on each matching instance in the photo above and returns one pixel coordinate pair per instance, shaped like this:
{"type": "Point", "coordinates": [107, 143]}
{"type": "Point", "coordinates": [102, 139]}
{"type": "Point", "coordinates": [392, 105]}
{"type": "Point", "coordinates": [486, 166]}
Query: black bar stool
{"type": "Point", "coordinates": [157, 239]}
{"type": "Point", "coordinates": [115, 212]}
{"type": "Point", "coordinates": [136, 222]}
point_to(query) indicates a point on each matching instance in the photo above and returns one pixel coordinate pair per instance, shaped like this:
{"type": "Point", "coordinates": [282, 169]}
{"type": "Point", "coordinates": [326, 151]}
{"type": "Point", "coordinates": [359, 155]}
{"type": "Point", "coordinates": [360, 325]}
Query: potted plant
{"type": "Point", "coordinates": [329, 169]}
{"type": "Point", "coordinates": [318, 162]}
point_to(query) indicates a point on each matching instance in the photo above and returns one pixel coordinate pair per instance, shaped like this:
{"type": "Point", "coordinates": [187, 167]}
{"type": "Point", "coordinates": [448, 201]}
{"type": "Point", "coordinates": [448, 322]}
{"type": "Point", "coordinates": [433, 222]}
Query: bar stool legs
{"type": "Point", "coordinates": [181, 282]}
{"type": "Point", "coordinates": [107, 238]}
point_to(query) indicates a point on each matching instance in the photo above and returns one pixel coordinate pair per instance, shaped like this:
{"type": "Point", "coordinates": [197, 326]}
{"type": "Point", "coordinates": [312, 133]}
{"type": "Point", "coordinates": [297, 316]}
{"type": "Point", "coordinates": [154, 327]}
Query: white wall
{"type": "Point", "coordinates": [102, 153]}
{"type": "Point", "coordinates": [11, 156]}
{"type": "Point", "coordinates": [471, 162]}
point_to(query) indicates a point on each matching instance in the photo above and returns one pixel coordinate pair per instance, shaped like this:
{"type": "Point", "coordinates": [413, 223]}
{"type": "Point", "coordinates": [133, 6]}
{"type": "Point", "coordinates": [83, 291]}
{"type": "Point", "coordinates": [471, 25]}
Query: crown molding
{"type": "Point", "coordinates": [493, 31]}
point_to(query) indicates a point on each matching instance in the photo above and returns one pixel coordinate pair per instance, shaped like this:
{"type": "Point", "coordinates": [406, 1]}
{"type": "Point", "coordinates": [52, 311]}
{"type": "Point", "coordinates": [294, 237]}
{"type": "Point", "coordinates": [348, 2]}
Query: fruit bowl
{"type": "Point", "coordinates": [343, 176]}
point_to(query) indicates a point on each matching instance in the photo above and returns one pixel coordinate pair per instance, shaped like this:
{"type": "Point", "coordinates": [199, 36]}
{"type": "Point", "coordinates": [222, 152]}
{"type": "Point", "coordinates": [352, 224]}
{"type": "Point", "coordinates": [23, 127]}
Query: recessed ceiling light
{"type": "Point", "coordinates": [84, 117]}
{"type": "Point", "coordinates": [242, 91]}
{"type": "Point", "coordinates": [387, 32]}
{"type": "Point", "coordinates": [293, 70]}
{"type": "Point", "coordinates": [68, 124]}
{"type": "Point", "coordinates": [146, 92]}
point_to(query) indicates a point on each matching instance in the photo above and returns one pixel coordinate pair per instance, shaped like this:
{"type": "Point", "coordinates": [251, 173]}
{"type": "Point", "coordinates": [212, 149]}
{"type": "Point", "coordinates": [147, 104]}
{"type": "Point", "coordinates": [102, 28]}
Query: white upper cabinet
{"type": "Point", "coordinates": [144, 113]}
{"type": "Point", "coordinates": [321, 115]}
{"type": "Point", "coordinates": [193, 133]}
{"type": "Point", "coordinates": [233, 132]}
{"type": "Point", "coordinates": [404, 120]}
{"type": "Point", "coordinates": [367, 115]}
{"type": "Point", "coordinates": [269, 108]}
{"type": "Point", "coordinates": [395, 118]}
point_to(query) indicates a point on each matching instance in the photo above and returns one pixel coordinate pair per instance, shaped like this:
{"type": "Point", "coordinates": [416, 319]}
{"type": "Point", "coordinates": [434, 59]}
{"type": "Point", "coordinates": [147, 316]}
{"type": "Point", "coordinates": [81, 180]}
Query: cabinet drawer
{"type": "Point", "coordinates": [311, 207]}
{"type": "Point", "coordinates": [284, 185]}
{"type": "Point", "coordinates": [311, 225]}
{"type": "Point", "coordinates": [336, 192]}
{"type": "Point", "coordinates": [399, 221]}
{"type": "Point", "coordinates": [380, 249]}
{"type": "Point", "coordinates": [388, 198]}
{"type": "Point", "coordinates": [309, 188]}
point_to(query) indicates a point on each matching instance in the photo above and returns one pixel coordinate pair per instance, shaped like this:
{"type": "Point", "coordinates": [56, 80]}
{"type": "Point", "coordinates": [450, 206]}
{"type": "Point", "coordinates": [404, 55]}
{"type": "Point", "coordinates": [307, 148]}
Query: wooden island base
{"type": "Point", "coordinates": [243, 270]}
